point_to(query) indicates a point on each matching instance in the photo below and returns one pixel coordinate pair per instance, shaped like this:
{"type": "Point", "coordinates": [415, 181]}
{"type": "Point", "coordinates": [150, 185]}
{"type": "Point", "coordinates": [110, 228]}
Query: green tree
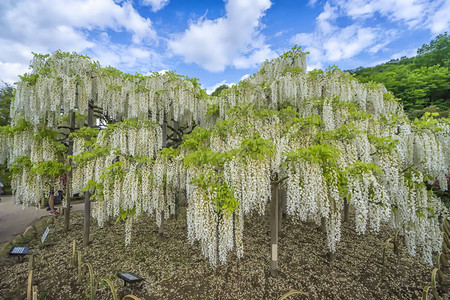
{"type": "Point", "coordinates": [277, 128]}
{"type": "Point", "coordinates": [6, 96]}
{"type": "Point", "coordinates": [435, 53]}
{"type": "Point", "coordinates": [218, 90]}
{"type": "Point", "coordinates": [422, 83]}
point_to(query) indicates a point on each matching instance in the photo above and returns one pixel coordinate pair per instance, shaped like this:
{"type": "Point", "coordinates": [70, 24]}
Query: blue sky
{"type": "Point", "coordinates": [218, 42]}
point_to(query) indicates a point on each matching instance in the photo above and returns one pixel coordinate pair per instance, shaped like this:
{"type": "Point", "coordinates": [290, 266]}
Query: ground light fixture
{"type": "Point", "coordinates": [129, 277]}
{"type": "Point", "coordinates": [19, 252]}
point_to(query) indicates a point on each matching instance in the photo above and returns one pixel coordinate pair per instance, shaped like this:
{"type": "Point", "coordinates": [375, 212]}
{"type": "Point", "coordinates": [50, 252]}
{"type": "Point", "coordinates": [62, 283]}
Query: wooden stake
{"type": "Point", "coordinates": [30, 285]}
{"type": "Point", "coordinates": [74, 253]}
{"type": "Point", "coordinates": [80, 268]}
{"type": "Point", "coordinates": [35, 292]}
{"type": "Point", "coordinates": [274, 230]}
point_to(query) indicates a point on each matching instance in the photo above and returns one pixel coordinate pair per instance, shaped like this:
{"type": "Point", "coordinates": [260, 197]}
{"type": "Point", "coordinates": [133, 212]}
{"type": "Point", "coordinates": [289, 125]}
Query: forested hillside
{"type": "Point", "coordinates": [6, 96]}
{"type": "Point", "coordinates": [422, 83]}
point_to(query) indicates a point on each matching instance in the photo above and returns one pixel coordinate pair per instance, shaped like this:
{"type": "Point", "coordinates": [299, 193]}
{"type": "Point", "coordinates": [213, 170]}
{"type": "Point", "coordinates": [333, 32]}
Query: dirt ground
{"type": "Point", "coordinates": [174, 269]}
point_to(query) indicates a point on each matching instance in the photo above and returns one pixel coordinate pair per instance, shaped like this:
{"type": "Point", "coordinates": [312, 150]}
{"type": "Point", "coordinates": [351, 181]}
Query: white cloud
{"type": "Point", "coordinates": [43, 26]}
{"type": "Point", "coordinates": [440, 21]}
{"type": "Point", "coordinates": [162, 72]}
{"type": "Point", "coordinates": [10, 71]}
{"type": "Point", "coordinates": [376, 63]}
{"type": "Point", "coordinates": [325, 19]}
{"type": "Point", "coordinates": [312, 3]}
{"type": "Point", "coordinates": [135, 58]}
{"type": "Point", "coordinates": [331, 42]}
{"type": "Point", "coordinates": [398, 10]}
{"type": "Point", "coordinates": [411, 12]}
{"type": "Point", "coordinates": [245, 77]}
{"type": "Point", "coordinates": [156, 4]}
{"type": "Point", "coordinates": [280, 33]}
{"type": "Point", "coordinates": [34, 19]}
{"type": "Point", "coordinates": [233, 40]}
{"type": "Point", "coordinates": [407, 53]}
{"type": "Point", "coordinates": [348, 42]}
{"type": "Point", "coordinates": [255, 57]}
{"type": "Point", "coordinates": [378, 47]}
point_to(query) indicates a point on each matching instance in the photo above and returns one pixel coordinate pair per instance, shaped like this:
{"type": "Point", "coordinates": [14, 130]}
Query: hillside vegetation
{"type": "Point", "coordinates": [422, 83]}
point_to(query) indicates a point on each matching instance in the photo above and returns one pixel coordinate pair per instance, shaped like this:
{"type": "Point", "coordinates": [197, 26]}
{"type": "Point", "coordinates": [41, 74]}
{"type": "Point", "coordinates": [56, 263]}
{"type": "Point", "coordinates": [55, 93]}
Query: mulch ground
{"type": "Point", "coordinates": [175, 269]}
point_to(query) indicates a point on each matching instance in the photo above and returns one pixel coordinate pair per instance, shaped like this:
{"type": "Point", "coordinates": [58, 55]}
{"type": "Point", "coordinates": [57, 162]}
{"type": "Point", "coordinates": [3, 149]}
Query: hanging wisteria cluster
{"type": "Point", "coordinates": [126, 172]}
{"type": "Point", "coordinates": [217, 205]}
{"type": "Point", "coordinates": [324, 134]}
{"type": "Point", "coordinates": [120, 96]}
{"type": "Point", "coordinates": [33, 161]}
{"type": "Point", "coordinates": [57, 83]}
{"type": "Point", "coordinates": [62, 82]}
{"type": "Point", "coordinates": [21, 144]}
{"type": "Point", "coordinates": [4, 147]}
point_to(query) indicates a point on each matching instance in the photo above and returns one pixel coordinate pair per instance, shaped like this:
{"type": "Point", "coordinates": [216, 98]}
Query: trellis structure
{"type": "Point", "coordinates": [322, 136]}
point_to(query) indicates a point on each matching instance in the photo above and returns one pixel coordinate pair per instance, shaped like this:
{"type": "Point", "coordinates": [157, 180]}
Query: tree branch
{"type": "Point", "coordinates": [403, 171]}
{"type": "Point", "coordinates": [68, 127]}
{"type": "Point", "coordinates": [279, 180]}
{"type": "Point", "coordinates": [193, 127]}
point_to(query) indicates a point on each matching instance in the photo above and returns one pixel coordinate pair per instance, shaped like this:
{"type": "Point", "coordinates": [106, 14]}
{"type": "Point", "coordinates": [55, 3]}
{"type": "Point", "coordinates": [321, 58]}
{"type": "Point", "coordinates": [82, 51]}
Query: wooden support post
{"type": "Point", "coordinates": [331, 256]}
{"type": "Point", "coordinates": [164, 144]}
{"type": "Point", "coordinates": [87, 195]}
{"type": "Point", "coordinates": [30, 285]}
{"type": "Point", "coordinates": [175, 136]}
{"type": "Point", "coordinates": [69, 176]}
{"type": "Point", "coordinates": [346, 217]}
{"type": "Point", "coordinates": [274, 230]}
{"type": "Point", "coordinates": [161, 227]}
{"type": "Point", "coordinates": [31, 263]}
{"type": "Point", "coordinates": [42, 200]}
{"type": "Point", "coordinates": [323, 224]}
{"type": "Point", "coordinates": [281, 206]}
{"type": "Point", "coordinates": [87, 218]}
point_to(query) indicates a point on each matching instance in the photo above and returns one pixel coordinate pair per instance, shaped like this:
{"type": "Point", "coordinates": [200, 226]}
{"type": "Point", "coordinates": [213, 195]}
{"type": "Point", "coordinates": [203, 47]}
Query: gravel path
{"type": "Point", "coordinates": [14, 219]}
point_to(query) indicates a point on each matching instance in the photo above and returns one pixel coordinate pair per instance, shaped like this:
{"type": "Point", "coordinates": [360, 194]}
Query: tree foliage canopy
{"type": "Point", "coordinates": [161, 136]}
{"type": "Point", "coordinates": [219, 89]}
{"type": "Point", "coordinates": [422, 83]}
{"type": "Point", "coordinates": [6, 97]}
